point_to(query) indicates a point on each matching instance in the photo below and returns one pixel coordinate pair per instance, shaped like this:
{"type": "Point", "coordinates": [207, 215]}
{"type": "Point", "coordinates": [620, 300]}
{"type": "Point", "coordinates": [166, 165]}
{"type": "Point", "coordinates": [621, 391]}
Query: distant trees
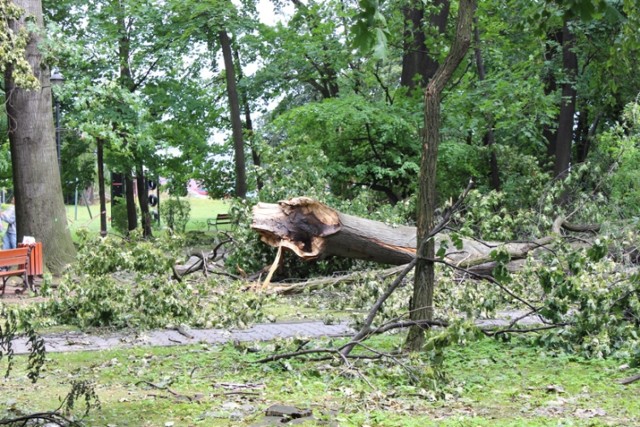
{"type": "Point", "coordinates": [548, 81]}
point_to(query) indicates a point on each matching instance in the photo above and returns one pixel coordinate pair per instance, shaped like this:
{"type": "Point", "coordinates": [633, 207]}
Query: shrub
{"type": "Point", "coordinates": [128, 283]}
{"type": "Point", "coordinates": [176, 214]}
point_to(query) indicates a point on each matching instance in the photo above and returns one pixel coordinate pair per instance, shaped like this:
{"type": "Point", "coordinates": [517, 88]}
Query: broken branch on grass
{"type": "Point", "coordinates": [53, 417]}
{"type": "Point", "coordinates": [319, 283]}
{"type": "Point", "coordinates": [167, 389]}
{"type": "Point", "coordinates": [629, 380]}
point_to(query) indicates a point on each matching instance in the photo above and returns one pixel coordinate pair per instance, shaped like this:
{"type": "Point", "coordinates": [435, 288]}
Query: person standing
{"type": "Point", "coordinates": [9, 216]}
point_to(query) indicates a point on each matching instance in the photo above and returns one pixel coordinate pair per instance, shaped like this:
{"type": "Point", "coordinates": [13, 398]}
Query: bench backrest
{"type": "Point", "coordinates": [10, 257]}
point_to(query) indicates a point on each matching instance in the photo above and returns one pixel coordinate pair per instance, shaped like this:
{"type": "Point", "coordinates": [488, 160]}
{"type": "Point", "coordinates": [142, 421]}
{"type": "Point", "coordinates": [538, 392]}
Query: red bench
{"type": "Point", "coordinates": [18, 258]}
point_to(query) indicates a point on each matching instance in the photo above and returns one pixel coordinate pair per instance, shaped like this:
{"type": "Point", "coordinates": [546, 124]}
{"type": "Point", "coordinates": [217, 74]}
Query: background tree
{"type": "Point", "coordinates": [424, 283]}
{"type": "Point", "coordinates": [234, 112]}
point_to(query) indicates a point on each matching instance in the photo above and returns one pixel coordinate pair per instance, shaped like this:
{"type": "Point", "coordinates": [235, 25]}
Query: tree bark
{"type": "Point", "coordinates": [423, 288]}
{"type": "Point", "coordinates": [126, 80]}
{"type": "Point", "coordinates": [143, 200]}
{"type": "Point", "coordinates": [234, 111]}
{"type": "Point", "coordinates": [564, 136]}
{"type": "Point", "coordinates": [40, 210]}
{"type": "Point", "coordinates": [248, 124]}
{"type": "Point", "coordinates": [554, 38]}
{"type": "Point", "coordinates": [132, 215]}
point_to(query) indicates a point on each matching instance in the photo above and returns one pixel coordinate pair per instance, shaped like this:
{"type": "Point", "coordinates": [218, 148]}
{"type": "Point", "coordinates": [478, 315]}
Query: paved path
{"type": "Point", "coordinates": [79, 341]}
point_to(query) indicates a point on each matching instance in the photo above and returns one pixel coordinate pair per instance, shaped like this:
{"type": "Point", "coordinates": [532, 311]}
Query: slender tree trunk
{"type": "Point", "coordinates": [101, 189]}
{"type": "Point", "coordinates": [423, 288]}
{"type": "Point", "coordinates": [143, 200]}
{"type": "Point", "coordinates": [127, 81]}
{"type": "Point", "coordinates": [132, 215]}
{"type": "Point", "coordinates": [248, 124]}
{"type": "Point", "coordinates": [234, 110]}
{"type": "Point", "coordinates": [40, 210]}
{"type": "Point", "coordinates": [584, 135]}
{"type": "Point", "coordinates": [564, 137]}
{"type": "Point", "coordinates": [416, 59]}
{"type": "Point", "coordinates": [489, 138]}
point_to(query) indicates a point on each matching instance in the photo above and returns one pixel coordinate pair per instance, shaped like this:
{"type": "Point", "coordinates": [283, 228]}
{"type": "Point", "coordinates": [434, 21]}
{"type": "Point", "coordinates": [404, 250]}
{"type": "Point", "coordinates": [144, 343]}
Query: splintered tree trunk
{"type": "Point", "coordinates": [313, 231]}
{"type": "Point", "coordinates": [40, 210]}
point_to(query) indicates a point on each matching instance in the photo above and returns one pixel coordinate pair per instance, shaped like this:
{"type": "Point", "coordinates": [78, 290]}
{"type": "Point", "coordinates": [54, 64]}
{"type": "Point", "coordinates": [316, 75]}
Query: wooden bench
{"type": "Point", "coordinates": [18, 258]}
{"type": "Point", "coordinates": [220, 219]}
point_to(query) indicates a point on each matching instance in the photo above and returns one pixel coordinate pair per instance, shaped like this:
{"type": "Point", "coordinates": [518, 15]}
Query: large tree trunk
{"type": "Point", "coordinates": [40, 210]}
{"type": "Point", "coordinates": [234, 112]}
{"type": "Point", "coordinates": [422, 301]}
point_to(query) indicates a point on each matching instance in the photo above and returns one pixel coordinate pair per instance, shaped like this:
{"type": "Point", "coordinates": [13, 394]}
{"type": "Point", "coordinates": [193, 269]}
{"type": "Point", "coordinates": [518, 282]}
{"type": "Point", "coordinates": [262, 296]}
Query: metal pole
{"type": "Point", "coordinates": [76, 201]}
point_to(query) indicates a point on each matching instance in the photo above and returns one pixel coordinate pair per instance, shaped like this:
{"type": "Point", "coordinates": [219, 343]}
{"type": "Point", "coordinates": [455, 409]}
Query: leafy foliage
{"type": "Point", "coordinates": [176, 213]}
{"type": "Point", "coordinates": [119, 283]}
{"type": "Point", "coordinates": [619, 152]}
{"type": "Point", "coordinates": [362, 144]}
{"type": "Point", "coordinates": [15, 322]}
{"type": "Point", "coordinates": [12, 52]}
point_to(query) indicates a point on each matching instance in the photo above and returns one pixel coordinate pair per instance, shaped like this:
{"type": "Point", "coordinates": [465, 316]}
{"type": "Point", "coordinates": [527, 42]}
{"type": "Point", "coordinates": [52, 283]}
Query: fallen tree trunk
{"type": "Point", "coordinates": [313, 230]}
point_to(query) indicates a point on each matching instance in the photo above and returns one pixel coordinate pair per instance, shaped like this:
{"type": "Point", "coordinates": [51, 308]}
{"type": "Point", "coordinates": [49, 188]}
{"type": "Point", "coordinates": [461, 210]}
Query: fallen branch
{"type": "Point", "coordinates": [168, 390]}
{"type": "Point", "coordinates": [52, 417]}
{"type": "Point", "coordinates": [319, 283]}
{"type": "Point", "coordinates": [629, 380]}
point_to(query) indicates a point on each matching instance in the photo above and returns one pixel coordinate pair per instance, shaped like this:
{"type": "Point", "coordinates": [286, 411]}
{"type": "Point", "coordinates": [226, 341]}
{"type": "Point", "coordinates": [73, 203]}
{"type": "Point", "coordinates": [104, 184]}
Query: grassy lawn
{"type": "Point", "coordinates": [201, 210]}
{"type": "Point", "coordinates": [491, 384]}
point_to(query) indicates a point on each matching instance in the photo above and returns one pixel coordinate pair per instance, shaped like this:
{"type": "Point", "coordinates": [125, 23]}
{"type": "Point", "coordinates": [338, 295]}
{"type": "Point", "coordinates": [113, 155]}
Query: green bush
{"type": "Point", "coordinates": [128, 283]}
{"type": "Point", "coordinates": [176, 214]}
{"type": "Point", "coordinates": [119, 220]}
{"type": "Point", "coordinates": [618, 152]}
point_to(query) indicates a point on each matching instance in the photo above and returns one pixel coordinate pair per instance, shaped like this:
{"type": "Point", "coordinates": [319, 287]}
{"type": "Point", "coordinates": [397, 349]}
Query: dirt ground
{"type": "Point", "coordinates": [15, 292]}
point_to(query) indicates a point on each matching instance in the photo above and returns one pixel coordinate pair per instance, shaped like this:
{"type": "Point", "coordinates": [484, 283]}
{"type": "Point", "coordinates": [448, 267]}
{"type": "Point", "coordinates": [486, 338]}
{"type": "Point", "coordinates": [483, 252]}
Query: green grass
{"type": "Point", "coordinates": [491, 384]}
{"type": "Point", "coordinates": [201, 209]}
